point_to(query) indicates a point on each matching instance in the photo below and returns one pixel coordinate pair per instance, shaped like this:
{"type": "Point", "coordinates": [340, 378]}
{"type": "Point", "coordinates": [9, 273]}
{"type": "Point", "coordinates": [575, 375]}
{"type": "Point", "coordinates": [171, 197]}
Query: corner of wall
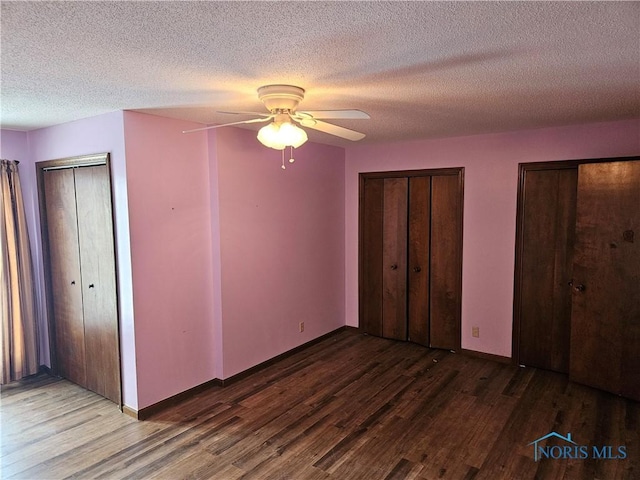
{"type": "Point", "coordinates": [212, 139]}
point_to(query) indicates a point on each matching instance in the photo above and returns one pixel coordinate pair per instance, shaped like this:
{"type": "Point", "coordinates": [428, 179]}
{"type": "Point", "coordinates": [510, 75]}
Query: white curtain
{"type": "Point", "coordinates": [18, 335]}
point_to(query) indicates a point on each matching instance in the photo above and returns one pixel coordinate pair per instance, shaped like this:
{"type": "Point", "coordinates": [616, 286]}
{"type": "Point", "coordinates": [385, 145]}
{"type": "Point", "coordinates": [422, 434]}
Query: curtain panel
{"type": "Point", "coordinates": [18, 335]}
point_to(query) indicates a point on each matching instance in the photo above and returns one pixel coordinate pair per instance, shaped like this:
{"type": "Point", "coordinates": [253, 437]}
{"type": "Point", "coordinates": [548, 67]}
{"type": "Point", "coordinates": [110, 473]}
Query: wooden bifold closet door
{"type": "Point", "coordinates": [78, 234]}
{"type": "Point", "coordinates": [410, 256]}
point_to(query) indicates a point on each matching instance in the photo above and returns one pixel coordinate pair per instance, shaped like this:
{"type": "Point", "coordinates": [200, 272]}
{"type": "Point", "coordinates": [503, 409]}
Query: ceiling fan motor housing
{"type": "Point", "coordinates": [280, 97]}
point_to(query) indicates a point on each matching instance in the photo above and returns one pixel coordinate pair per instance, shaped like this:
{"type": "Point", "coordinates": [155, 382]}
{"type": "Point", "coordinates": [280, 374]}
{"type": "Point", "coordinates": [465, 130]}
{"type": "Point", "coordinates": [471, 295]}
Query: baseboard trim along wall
{"type": "Point", "coordinates": [146, 412]}
{"type": "Point", "coordinates": [239, 376]}
{"type": "Point", "coordinates": [486, 356]}
{"type": "Point", "coordinates": [130, 411]}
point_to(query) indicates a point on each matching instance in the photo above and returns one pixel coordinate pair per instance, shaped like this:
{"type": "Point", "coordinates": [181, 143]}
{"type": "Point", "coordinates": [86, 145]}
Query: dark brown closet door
{"type": "Point", "coordinates": [548, 236]}
{"type": "Point", "coordinates": [605, 321]}
{"type": "Point", "coordinates": [371, 256]}
{"type": "Point", "coordinates": [394, 259]}
{"type": "Point", "coordinates": [410, 256]}
{"type": "Point", "coordinates": [446, 262]}
{"type": "Point", "coordinates": [66, 283]}
{"type": "Point", "coordinates": [95, 233]}
{"type": "Point", "coordinates": [418, 268]}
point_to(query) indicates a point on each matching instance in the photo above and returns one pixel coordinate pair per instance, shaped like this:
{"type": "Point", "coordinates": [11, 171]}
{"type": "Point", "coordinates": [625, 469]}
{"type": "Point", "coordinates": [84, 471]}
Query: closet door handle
{"type": "Point", "coordinates": [73, 282]}
{"type": "Point", "coordinates": [417, 269]}
{"type": "Point", "coordinates": [91, 285]}
{"type": "Point", "coordinates": [394, 267]}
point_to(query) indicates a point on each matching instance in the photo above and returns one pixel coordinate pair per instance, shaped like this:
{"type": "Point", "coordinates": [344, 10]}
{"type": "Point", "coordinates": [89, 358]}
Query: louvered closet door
{"type": "Point", "coordinates": [66, 282]}
{"type": "Point", "coordinates": [96, 245]}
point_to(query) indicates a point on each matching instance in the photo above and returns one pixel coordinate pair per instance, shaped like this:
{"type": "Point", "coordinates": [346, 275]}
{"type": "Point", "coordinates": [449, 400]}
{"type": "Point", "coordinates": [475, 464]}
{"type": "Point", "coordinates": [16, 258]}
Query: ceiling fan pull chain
{"type": "Point", "coordinates": [283, 167]}
{"type": "Point", "coordinates": [291, 159]}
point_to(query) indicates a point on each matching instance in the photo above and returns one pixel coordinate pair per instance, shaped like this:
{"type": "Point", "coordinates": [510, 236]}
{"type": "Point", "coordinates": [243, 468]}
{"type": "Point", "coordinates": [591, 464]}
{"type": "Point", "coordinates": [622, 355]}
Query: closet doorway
{"type": "Point", "coordinates": [577, 283]}
{"type": "Point", "coordinates": [80, 271]}
{"type": "Point", "coordinates": [410, 256]}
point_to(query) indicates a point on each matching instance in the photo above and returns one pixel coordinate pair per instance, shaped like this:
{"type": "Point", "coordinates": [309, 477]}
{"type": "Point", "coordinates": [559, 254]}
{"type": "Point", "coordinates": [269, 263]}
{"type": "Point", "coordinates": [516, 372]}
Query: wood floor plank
{"type": "Point", "coordinates": [351, 407]}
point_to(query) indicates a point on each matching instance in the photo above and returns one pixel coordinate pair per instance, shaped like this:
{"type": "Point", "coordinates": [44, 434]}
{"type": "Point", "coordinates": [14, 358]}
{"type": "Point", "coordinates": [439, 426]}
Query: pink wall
{"type": "Point", "coordinates": [491, 177]}
{"type": "Point", "coordinates": [170, 221]}
{"type": "Point", "coordinates": [13, 145]}
{"type": "Point", "coordinates": [281, 246]}
{"type": "Point", "coordinates": [214, 200]}
{"type": "Point", "coordinates": [103, 133]}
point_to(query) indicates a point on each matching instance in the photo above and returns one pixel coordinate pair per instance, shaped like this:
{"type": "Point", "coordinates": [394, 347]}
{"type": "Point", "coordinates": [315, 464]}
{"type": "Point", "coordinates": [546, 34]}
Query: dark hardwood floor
{"type": "Point", "coordinates": [349, 407]}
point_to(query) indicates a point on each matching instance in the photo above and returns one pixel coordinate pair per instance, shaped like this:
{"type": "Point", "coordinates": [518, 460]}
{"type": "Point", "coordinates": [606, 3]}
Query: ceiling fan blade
{"type": "Point", "coordinates": [346, 114]}
{"type": "Point", "coordinates": [254, 120]}
{"type": "Point", "coordinates": [260, 114]}
{"type": "Point", "coordinates": [332, 129]}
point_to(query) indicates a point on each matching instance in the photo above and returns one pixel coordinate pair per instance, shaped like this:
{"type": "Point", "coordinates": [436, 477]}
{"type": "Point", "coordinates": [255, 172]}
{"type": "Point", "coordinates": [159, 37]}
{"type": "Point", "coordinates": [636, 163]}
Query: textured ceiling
{"type": "Point", "coordinates": [420, 69]}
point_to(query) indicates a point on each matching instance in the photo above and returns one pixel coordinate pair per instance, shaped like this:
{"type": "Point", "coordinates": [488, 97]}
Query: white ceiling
{"type": "Point", "coordinates": [420, 69]}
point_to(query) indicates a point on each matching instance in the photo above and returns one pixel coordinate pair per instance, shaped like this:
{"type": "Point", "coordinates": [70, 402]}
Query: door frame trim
{"type": "Point", "coordinates": [523, 168]}
{"type": "Point", "coordinates": [58, 164]}
{"type": "Point", "coordinates": [457, 171]}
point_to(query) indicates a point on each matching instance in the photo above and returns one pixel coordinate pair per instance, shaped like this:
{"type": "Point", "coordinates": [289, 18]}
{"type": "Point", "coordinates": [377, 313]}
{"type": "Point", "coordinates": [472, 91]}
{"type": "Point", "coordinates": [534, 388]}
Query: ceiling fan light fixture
{"type": "Point", "coordinates": [292, 135]}
{"type": "Point", "coordinates": [281, 132]}
{"type": "Point", "coordinates": [268, 136]}
{"type": "Point", "coordinates": [279, 136]}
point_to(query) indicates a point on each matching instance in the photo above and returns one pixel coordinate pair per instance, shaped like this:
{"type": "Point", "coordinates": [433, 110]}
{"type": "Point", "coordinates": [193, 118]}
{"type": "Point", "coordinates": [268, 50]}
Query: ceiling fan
{"type": "Point", "coordinates": [282, 102]}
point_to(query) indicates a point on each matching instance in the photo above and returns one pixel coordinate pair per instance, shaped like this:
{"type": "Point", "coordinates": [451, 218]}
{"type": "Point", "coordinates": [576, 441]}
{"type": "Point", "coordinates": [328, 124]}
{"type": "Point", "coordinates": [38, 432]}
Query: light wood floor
{"type": "Point", "coordinates": [349, 407]}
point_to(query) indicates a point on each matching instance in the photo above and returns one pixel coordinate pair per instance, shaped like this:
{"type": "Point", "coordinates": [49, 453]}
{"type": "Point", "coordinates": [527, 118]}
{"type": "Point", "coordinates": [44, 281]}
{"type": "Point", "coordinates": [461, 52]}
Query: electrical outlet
{"type": "Point", "coordinates": [475, 332]}
{"type": "Point", "coordinates": [301, 327]}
